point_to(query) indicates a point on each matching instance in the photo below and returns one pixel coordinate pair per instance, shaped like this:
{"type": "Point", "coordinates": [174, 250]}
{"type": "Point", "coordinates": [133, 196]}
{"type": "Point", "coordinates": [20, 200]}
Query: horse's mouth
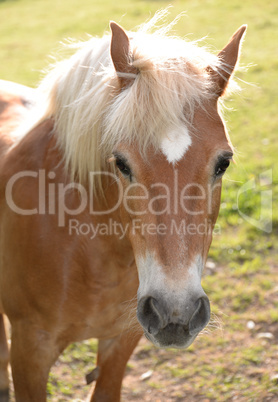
{"type": "Point", "coordinates": [172, 336]}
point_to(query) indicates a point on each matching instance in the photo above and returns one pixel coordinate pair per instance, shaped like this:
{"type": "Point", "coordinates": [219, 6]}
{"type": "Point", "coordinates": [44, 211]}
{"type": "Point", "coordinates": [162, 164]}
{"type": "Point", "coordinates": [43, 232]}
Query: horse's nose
{"type": "Point", "coordinates": [154, 316]}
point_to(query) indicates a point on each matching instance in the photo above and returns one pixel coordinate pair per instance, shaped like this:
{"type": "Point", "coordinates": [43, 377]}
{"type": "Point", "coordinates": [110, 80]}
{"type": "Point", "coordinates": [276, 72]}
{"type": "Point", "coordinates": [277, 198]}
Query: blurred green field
{"type": "Point", "coordinates": [236, 362]}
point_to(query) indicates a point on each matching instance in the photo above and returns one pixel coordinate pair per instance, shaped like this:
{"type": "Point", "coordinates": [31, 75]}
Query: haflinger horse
{"type": "Point", "coordinates": [107, 203]}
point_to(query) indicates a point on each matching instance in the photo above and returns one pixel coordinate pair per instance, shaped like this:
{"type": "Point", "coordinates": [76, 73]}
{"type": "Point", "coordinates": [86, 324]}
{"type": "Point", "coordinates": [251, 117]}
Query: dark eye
{"type": "Point", "coordinates": [123, 167]}
{"type": "Point", "coordinates": [221, 167]}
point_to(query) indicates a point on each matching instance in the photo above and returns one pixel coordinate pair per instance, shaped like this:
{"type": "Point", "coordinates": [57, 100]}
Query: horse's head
{"type": "Point", "coordinates": [172, 184]}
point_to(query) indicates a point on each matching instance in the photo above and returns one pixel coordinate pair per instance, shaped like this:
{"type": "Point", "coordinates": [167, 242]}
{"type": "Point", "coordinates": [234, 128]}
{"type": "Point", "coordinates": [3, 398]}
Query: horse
{"type": "Point", "coordinates": [109, 192]}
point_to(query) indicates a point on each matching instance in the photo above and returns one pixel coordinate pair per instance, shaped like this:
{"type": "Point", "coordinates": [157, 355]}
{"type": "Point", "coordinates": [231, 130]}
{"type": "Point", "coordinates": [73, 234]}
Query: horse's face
{"type": "Point", "coordinates": [171, 202]}
{"type": "Point", "coordinates": [171, 208]}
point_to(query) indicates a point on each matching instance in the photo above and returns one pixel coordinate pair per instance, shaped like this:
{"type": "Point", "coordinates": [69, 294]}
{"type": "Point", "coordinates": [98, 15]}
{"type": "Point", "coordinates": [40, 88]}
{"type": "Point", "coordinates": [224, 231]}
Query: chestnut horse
{"type": "Point", "coordinates": [108, 202]}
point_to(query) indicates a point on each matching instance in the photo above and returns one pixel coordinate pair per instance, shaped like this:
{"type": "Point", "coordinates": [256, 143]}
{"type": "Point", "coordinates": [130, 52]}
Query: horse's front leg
{"type": "Point", "coordinates": [33, 351]}
{"type": "Point", "coordinates": [113, 355]}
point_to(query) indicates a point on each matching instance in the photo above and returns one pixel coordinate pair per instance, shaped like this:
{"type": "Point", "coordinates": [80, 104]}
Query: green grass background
{"type": "Point", "coordinates": [244, 285]}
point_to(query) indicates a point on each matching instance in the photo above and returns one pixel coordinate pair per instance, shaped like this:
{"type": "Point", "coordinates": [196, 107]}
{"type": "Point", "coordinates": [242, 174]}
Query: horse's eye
{"type": "Point", "coordinates": [221, 167]}
{"type": "Point", "coordinates": [123, 168]}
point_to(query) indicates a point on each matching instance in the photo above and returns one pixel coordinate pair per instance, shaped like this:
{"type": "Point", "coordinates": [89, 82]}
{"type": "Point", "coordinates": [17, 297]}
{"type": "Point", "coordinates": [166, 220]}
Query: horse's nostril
{"type": "Point", "coordinates": [150, 314]}
{"type": "Point", "coordinates": [200, 317]}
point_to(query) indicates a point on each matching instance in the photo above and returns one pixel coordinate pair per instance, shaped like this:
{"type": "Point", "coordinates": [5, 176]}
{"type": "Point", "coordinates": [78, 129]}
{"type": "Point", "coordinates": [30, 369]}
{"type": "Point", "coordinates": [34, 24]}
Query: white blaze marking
{"type": "Point", "coordinates": [153, 280]}
{"type": "Point", "coordinates": [175, 144]}
{"type": "Point", "coordinates": [151, 276]}
{"type": "Point", "coordinates": [195, 273]}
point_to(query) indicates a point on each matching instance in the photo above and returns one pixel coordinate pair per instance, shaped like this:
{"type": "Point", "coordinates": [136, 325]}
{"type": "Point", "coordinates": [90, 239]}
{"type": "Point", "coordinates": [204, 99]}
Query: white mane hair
{"type": "Point", "coordinates": [92, 114]}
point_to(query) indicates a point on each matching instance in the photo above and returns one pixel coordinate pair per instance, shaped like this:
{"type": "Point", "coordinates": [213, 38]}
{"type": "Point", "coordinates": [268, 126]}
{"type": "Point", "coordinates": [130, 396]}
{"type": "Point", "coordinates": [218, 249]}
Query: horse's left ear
{"type": "Point", "coordinates": [228, 57]}
{"type": "Point", "coordinates": [120, 50]}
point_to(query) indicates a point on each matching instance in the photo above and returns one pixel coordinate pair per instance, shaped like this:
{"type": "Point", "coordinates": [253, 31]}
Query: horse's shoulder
{"type": "Point", "coordinates": [17, 93]}
{"type": "Point", "coordinates": [16, 100]}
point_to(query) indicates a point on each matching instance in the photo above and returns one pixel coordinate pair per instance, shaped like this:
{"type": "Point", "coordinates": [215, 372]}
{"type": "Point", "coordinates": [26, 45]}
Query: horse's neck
{"type": "Point", "coordinates": [38, 152]}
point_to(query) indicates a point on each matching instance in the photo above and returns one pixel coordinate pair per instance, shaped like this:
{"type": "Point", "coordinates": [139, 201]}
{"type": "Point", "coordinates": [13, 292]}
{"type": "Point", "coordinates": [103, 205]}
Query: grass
{"type": "Point", "coordinates": [224, 364]}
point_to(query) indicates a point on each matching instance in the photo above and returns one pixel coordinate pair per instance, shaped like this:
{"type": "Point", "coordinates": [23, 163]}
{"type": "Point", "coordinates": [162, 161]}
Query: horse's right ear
{"type": "Point", "coordinates": [120, 50]}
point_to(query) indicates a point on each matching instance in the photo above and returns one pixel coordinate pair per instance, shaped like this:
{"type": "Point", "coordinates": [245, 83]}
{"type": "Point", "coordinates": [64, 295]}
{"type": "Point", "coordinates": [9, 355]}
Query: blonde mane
{"type": "Point", "coordinates": [92, 114]}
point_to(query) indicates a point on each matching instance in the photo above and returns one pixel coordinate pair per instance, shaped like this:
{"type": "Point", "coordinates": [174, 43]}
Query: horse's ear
{"type": "Point", "coordinates": [120, 50]}
{"type": "Point", "coordinates": [228, 57]}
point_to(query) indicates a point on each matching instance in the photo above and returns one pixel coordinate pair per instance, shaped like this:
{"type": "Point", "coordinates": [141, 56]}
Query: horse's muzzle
{"type": "Point", "coordinates": [167, 329]}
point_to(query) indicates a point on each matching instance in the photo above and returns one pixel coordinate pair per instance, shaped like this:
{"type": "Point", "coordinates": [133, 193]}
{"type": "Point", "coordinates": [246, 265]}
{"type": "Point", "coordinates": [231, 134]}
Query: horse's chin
{"type": "Point", "coordinates": [175, 342]}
